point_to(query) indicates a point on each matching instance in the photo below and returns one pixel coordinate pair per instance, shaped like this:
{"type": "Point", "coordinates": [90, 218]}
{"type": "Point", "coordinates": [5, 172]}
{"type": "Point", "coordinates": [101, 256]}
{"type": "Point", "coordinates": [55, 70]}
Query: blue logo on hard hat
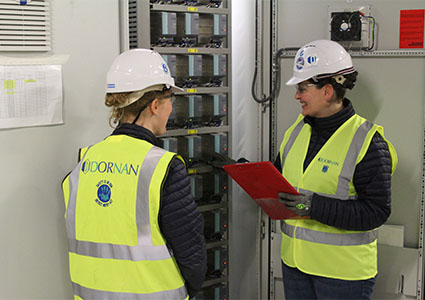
{"type": "Point", "coordinates": [300, 63]}
{"type": "Point", "coordinates": [111, 85]}
{"type": "Point", "coordinates": [312, 60]}
{"type": "Point", "coordinates": [104, 190]}
{"type": "Point", "coordinates": [165, 68]}
{"type": "Point", "coordinates": [302, 53]}
{"type": "Point", "coordinates": [325, 168]}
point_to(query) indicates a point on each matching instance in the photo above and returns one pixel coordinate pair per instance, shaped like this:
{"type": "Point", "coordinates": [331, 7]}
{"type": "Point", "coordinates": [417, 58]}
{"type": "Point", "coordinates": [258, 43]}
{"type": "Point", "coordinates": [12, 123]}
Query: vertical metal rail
{"type": "Point", "coordinates": [228, 4]}
{"type": "Point", "coordinates": [273, 137]}
{"type": "Point", "coordinates": [259, 89]}
{"type": "Point", "coordinates": [273, 108]}
{"type": "Point", "coordinates": [420, 283]}
{"type": "Point", "coordinates": [260, 78]}
{"type": "Point", "coordinates": [124, 25]}
{"type": "Point", "coordinates": [421, 276]}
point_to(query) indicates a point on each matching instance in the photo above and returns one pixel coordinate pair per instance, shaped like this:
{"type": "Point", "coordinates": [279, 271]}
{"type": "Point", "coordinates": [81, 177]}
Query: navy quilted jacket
{"type": "Point", "coordinates": [180, 221]}
{"type": "Point", "coordinates": [372, 179]}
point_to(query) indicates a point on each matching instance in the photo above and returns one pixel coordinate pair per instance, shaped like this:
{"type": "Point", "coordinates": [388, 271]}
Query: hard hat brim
{"type": "Point", "coordinates": [176, 89]}
{"type": "Point", "coordinates": [294, 80]}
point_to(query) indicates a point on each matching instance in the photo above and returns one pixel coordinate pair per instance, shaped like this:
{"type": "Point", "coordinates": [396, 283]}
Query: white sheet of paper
{"type": "Point", "coordinates": [30, 95]}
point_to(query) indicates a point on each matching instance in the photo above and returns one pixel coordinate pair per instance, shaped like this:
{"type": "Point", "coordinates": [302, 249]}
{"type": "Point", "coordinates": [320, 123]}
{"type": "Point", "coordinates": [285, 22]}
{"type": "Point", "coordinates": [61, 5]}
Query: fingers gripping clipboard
{"type": "Point", "coordinates": [262, 181]}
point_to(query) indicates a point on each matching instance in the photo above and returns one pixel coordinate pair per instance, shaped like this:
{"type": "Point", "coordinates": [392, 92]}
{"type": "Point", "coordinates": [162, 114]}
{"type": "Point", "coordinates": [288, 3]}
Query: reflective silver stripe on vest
{"type": "Point", "coordinates": [287, 229]}
{"type": "Point", "coordinates": [347, 170]}
{"type": "Point", "coordinates": [144, 234]}
{"type": "Point", "coordinates": [86, 293]}
{"type": "Point", "coordinates": [291, 141]}
{"type": "Point", "coordinates": [337, 239]}
{"type": "Point", "coordinates": [144, 250]}
{"type": "Point", "coordinates": [134, 253]}
{"type": "Point", "coordinates": [306, 192]}
{"type": "Point", "coordinates": [70, 213]}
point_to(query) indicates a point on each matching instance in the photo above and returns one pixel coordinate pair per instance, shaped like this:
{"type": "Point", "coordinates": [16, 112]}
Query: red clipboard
{"type": "Point", "coordinates": [262, 181]}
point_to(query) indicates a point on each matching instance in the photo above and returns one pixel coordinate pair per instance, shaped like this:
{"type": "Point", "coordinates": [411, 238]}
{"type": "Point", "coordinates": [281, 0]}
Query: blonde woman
{"type": "Point", "coordinates": [133, 227]}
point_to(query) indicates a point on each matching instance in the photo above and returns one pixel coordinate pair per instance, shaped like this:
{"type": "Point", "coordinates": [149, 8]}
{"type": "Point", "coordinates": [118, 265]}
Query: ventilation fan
{"type": "Point", "coordinates": [346, 26]}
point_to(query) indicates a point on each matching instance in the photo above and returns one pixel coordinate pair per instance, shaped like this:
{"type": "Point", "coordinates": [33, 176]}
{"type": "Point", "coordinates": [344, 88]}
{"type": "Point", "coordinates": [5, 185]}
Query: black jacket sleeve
{"type": "Point", "coordinates": [182, 226]}
{"type": "Point", "coordinates": [372, 180]}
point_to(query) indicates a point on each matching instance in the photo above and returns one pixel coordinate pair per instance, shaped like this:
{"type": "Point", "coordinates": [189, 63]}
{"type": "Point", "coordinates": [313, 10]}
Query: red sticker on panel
{"type": "Point", "coordinates": [412, 28]}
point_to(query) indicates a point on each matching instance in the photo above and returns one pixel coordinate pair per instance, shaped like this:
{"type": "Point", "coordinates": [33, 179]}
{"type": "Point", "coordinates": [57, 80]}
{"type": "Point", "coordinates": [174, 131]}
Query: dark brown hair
{"type": "Point", "coordinates": [339, 89]}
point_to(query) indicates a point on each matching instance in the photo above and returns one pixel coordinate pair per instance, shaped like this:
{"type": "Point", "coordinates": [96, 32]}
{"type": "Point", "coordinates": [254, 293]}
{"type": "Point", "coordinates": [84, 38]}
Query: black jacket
{"type": "Point", "coordinates": [372, 179]}
{"type": "Point", "coordinates": [180, 221]}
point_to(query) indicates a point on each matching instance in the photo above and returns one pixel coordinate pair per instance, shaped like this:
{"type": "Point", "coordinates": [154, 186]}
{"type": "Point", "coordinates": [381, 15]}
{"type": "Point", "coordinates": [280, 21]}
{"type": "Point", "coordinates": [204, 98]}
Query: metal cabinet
{"type": "Point", "coordinates": [194, 38]}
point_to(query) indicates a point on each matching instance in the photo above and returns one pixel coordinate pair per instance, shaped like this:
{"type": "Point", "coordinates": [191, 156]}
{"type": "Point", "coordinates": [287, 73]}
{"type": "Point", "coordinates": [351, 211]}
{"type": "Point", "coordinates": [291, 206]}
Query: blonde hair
{"type": "Point", "coordinates": [116, 100]}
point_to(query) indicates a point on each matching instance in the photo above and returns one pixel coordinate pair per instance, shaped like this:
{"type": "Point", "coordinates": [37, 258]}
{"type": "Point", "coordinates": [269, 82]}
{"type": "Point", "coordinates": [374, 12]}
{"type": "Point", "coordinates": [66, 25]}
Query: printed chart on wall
{"type": "Point", "coordinates": [30, 95]}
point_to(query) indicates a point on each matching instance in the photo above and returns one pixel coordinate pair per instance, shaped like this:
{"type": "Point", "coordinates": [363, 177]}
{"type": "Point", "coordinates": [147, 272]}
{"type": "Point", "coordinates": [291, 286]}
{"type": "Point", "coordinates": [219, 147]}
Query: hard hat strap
{"type": "Point", "coordinates": [341, 72]}
{"type": "Point", "coordinates": [141, 110]}
{"type": "Point", "coordinates": [165, 88]}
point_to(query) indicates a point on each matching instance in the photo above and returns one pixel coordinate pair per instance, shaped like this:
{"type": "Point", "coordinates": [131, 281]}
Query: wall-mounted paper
{"type": "Point", "coordinates": [30, 95]}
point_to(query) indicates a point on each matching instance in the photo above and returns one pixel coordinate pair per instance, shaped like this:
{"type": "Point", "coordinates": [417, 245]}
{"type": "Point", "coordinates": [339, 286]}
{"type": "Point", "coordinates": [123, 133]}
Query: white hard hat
{"type": "Point", "coordinates": [320, 59]}
{"type": "Point", "coordinates": [139, 70]}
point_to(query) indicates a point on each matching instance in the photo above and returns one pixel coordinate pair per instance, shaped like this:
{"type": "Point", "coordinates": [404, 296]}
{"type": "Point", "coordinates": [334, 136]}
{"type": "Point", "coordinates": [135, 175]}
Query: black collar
{"type": "Point", "coordinates": [137, 132]}
{"type": "Point", "coordinates": [333, 121]}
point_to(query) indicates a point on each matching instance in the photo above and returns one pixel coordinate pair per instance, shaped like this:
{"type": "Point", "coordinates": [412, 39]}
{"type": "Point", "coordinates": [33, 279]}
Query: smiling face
{"type": "Point", "coordinates": [315, 101]}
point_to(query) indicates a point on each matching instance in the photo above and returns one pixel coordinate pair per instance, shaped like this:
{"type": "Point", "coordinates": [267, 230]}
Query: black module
{"type": "Point", "coordinates": [216, 263]}
{"type": "Point", "coordinates": [346, 26]}
{"type": "Point", "coordinates": [215, 225]}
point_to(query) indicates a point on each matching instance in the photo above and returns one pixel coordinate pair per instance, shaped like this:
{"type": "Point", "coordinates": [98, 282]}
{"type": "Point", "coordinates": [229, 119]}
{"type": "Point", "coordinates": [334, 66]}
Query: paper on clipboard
{"type": "Point", "coordinates": [262, 181]}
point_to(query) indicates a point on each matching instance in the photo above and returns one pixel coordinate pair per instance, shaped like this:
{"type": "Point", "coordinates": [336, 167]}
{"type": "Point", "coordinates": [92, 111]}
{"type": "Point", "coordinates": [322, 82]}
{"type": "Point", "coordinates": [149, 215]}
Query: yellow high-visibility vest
{"type": "Point", "coordinates": [313, 247]}
{"type": "Point", "coordinates": [112, 198]}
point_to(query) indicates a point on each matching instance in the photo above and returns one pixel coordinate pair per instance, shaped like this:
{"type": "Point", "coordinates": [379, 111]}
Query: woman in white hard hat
{"type": "Point", "coordinates": [133, 227]}
{"type": "Point", "coordinates": [341, 164]}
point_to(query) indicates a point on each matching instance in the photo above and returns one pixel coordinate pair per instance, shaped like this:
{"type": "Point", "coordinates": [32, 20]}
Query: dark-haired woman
{"type": "Point", "coordinates": [133, 228]}
{"type": "Point", "coordinates": [341, 164]}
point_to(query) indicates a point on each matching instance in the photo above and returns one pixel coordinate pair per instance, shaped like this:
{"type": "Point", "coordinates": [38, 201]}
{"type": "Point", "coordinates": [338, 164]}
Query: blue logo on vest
{"type": "Point", "coordinates": [104, 189]}
{"type": "Point", "coordinates": [109, 167]}
{"type": "Point", "coordinates": [325, 169]}
{"type": "Point", "coordinates": [86, 166]}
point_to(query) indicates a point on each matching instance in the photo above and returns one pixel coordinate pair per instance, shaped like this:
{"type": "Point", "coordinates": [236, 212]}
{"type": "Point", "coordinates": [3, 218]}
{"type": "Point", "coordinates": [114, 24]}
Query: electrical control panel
{"type": "Point", "coordinates": [194, 39]}
{"type": "Point", "coordinates": [164, 28]}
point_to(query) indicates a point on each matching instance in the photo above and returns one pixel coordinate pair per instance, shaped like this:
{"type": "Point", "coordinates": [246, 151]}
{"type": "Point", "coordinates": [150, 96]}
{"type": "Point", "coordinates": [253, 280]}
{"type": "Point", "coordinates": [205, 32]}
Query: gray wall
{"type": "Point", "coordinates": [34, 160]}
